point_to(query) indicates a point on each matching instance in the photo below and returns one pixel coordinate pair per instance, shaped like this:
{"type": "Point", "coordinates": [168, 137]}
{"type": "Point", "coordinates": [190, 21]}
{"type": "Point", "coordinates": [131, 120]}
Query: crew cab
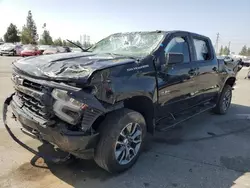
{"type": "Point", "coordinates": [100, 103]}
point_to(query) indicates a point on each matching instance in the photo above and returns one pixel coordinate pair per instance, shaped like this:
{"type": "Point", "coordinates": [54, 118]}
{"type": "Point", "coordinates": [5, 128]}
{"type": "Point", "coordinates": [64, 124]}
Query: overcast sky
{"type": "Point", "coordinates": [99, 18]}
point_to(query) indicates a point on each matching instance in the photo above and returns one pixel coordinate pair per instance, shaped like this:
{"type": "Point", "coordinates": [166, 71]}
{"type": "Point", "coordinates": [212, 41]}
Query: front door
{"type": "Point", "coordinates": [176, 82]}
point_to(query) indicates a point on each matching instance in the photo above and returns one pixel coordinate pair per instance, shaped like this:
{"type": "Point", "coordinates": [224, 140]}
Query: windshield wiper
{"type": "Point", "coordinates": [84, 50]}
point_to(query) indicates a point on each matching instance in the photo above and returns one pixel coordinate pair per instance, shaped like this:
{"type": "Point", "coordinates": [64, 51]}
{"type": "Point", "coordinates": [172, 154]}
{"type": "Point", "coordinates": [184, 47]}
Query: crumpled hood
{"type": "Point", "coordinates": [67, 65]}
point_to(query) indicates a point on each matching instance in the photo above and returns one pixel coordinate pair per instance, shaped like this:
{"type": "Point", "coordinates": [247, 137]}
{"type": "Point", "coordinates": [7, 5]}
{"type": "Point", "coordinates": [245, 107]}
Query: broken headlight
{"type": "Point", "coordinates": [63, 95]}
{"type": "Point", "coordinates": [66, 107]}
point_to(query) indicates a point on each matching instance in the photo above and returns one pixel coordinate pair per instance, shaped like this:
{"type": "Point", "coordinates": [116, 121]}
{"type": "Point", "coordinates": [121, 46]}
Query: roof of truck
{"type": "Point", "coordinates": [165, 32]}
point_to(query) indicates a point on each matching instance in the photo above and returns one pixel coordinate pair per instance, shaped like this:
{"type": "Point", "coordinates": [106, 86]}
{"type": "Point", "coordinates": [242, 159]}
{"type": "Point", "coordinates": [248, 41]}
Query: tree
{"type": "Point", "coordinates": [248, 52]}
{"type": "Point", "coordinates": [243, 50]}
{"type": "Point", "coordinates": [29, 32]}
{"type": "Point", "coordinates": [58, 42]}
{"type": "Point", "coordinates": [12, 34]}
{"type": "Point", "coordinates": [226, 51]}
{"type": "Point", "coordinates": [78, 43]}
{"type": "Point", "coordinates": [221, 50]}
{"type": "Point", "coordinates": [64, 43]}
{"type": "Point", "coordinates": [70, 44]}
{"type": "Point", "coordinates": [46, 39]}
{"type": "Point", "coordinates": [1, 40]}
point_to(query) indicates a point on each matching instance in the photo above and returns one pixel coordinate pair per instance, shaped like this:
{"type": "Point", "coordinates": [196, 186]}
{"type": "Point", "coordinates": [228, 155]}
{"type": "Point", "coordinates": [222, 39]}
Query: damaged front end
{"type": "Point", "coordinates": [60, 114]}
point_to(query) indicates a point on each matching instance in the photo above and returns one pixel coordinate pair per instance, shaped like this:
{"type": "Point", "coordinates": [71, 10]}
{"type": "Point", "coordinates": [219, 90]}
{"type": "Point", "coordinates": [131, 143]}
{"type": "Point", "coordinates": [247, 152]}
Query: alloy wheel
{"type": "Point", "coordinates": [128, 143]}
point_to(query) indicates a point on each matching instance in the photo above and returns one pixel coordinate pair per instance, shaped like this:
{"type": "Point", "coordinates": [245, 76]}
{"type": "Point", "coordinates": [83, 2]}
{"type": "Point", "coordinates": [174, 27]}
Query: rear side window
{"type": "Point", "coordinates": [202, 50]}
{"type": "Point", "coordinates": [178, 45]}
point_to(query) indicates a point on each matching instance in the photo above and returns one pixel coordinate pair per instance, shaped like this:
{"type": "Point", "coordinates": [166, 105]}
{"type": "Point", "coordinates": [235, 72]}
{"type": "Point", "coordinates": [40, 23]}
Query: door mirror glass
{"type": "Point", "coordinates": [174, 58]}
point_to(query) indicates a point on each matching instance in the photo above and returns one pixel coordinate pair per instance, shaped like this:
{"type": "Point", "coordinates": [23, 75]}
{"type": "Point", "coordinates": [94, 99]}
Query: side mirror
{"type": "Point", "coordinates": [174, 58]}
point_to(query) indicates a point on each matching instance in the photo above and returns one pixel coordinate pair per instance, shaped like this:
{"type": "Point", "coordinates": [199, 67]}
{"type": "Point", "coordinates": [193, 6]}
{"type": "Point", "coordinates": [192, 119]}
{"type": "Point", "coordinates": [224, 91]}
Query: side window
{"type": "Point", "coordinates": [179, 45]}
{"type": "Point", "coordinates": [202, 50]}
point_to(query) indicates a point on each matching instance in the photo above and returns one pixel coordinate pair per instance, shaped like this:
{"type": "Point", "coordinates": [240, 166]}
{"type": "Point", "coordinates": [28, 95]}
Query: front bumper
{"type": "Point", "coordinates": [6, 52]}
{"type": "Point", "coordinates": [77, 143]}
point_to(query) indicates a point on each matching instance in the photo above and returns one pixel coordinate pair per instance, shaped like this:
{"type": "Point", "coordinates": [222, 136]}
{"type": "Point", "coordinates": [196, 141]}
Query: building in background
{"type": "Point", "coordinates": [85, 40]}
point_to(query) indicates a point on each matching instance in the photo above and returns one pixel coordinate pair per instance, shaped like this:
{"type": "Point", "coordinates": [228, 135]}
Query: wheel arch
{"type": "Point", "coordinates": [230, 81]}
{"type": "Point", "coordinates": [145, 106]}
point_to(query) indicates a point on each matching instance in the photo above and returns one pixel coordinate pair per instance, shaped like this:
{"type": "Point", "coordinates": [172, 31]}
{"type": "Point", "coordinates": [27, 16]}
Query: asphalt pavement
{"type": "Point", "coordinates": [208, 151]}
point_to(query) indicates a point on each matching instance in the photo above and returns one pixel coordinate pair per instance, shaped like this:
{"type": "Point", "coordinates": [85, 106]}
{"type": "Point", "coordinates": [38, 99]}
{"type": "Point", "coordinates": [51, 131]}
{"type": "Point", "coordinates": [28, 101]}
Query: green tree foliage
{"type": "Point", "coordinates": [64, 43]}
{"type": "Point", "coordinates": [248, 52]}
{"type": "Point", "coordinates": [58, 42]}
{"type": "Point", "coordinates": [46, 39]}
{"type": "Point", "coordinates": [78, 43]}
{"type": "Point", "coordinates": [243, 50]}
{"type": "Point", "coordinates": [226, 51]}
{"type": "Point", "coordinates": [12, 34]}
{"type": "Point", "coordinates": [70, 44]}
{"type": "Point", "coordinates": [29, 32]}
{"type": "Point", "coordinates": [221, 50]}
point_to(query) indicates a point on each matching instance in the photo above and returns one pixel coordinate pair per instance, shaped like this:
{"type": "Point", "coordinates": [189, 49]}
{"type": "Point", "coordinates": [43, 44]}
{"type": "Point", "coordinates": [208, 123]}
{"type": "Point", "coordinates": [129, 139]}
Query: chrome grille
{"type": "Point", "coordinates": [35, 105]}
{"type": "Point", "coordinates": [33, 85]}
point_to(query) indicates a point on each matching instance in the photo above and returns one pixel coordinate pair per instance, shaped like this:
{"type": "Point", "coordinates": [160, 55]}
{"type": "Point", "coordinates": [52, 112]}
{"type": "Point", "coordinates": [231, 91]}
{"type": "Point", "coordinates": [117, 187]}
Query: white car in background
{"type": "Point", "coordinates": [10, 49]}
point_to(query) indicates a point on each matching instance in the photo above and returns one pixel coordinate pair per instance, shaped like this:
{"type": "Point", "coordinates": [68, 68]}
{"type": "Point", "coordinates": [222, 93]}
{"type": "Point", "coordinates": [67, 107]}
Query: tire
{"type": "Point", "coordinates": [221, 108]}
{"type": "Point", "coordinates": [110, 133]}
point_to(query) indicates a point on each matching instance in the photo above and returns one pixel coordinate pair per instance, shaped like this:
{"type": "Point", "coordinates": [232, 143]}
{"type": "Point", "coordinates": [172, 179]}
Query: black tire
{"type": "Point", "coordinates": [220, 108]}
{"type": "Point", "coordinates": [110, 130]}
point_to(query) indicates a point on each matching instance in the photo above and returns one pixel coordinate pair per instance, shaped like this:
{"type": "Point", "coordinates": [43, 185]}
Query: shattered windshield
{"type": "Point", "coordinates": [134, 44]}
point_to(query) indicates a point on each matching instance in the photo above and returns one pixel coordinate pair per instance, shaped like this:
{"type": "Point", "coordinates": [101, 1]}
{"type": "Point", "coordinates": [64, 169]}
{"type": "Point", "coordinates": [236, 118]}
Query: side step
{"type": "Point", "coordinates": [175, 119]}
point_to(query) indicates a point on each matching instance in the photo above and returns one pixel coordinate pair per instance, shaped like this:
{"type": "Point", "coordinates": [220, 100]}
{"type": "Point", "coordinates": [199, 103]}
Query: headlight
{"type": "Point", "coordinates": [60, 94]}
{"type": "Point", "coordinates": [63, 95]}
{"type": "Point", "coordinates": [66, 107]}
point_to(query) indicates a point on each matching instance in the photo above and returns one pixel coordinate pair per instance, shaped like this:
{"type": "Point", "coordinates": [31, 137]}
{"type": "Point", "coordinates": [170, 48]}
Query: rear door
{"type": "Point", "coordinates": [177, 88]}
{"type": "Point", "coordinates": [207, 67]}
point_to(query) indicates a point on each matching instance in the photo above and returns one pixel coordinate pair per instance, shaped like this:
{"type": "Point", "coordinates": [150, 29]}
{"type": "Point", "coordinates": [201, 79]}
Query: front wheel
{"type": "Point", "coordinates": [224, 101]}
{"type": "Point", "coordinates": [122, 135]}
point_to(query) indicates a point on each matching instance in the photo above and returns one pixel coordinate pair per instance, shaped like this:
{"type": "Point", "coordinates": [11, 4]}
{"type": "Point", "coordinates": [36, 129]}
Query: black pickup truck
{"type": "Point", "coordinates": [100, 103]}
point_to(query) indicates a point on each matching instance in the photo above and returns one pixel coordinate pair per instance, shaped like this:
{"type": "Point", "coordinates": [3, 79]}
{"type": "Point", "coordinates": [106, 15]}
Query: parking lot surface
{"type": "Point", "coordinates": [208, 151]}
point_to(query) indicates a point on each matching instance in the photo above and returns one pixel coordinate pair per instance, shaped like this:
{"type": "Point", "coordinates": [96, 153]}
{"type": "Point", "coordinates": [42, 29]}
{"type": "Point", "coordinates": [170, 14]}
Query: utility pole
{"type": "Point", "coordinates": [229, 47]}
{"type": "Point", "coordinates": [217, 42]}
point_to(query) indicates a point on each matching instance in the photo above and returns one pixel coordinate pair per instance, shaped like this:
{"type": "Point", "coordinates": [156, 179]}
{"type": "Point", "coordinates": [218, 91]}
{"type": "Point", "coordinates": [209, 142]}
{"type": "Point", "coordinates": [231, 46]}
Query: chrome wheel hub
{"type": "Point", "coordinates": [226, 100]}
{"type": "Point", "coordinates": [128, 143]}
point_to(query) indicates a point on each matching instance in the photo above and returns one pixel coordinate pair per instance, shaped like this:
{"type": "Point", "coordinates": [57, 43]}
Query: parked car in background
{"type": "Point", "coordinates": [246, 62]}
{"type": "Point", "coordinates": [11, 49]}
{"type": "Point", "coordinates": [42, 48]}
{"type": "Point", "coordinates": [51, 50]}
{"type": "Point", "coordinates": [235, 64]}
{"type": "Point", "coordinates": [63, 49]}
{"type": "Point", "coordinates": [30, 50]}
{"type": "Point", "coordinates": [56, 49]}
{"type": "Point", "coordinates": [1, 46]}
{"type": "Point", "coordinates": [67, 49]}
{"type": "Point", "coordinates": [75, 49]}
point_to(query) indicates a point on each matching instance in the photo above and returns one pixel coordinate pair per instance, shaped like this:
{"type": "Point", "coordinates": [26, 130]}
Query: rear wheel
{"type": "Point", "coordinates": [224, 101]}
{"type": "Point", "coordinates": [122, 135]}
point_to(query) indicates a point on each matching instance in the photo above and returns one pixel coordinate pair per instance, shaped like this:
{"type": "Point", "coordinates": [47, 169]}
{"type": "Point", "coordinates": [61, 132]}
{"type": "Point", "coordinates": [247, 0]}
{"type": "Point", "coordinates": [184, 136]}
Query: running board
{"type": "Point", "coordinates": [179, 118]}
